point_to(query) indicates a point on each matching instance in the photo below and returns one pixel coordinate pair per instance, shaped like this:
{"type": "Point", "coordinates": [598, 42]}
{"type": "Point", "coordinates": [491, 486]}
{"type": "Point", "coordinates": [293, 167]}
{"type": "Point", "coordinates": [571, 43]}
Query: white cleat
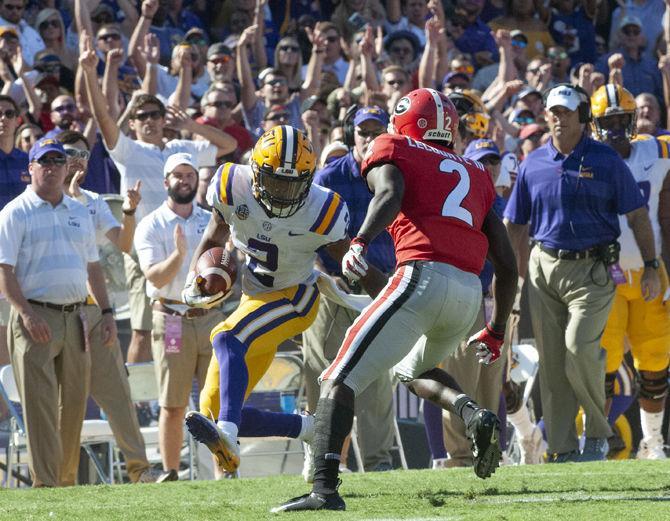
{"type": "Point", "coordinates": [651, 449]}
{"type": "Point", "coordinates": [532, 448]}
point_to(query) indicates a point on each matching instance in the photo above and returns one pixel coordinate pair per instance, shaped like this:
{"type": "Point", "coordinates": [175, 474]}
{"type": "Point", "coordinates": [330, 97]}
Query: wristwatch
{"type": "Point", "coordinates": [653, 263]}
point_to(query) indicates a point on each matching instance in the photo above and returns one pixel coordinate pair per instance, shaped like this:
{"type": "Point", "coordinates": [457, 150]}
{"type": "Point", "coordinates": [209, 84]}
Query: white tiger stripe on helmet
{"type": "Point", "coordinates": [290, 147]}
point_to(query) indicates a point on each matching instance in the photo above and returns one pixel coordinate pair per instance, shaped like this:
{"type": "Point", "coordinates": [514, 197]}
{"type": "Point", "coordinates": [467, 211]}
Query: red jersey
{"type": "Point", "coordinates": [444, 205]}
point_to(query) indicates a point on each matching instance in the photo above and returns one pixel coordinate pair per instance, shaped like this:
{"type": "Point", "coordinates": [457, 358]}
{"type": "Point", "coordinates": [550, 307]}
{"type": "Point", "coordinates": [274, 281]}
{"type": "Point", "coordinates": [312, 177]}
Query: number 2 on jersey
{"type": "Point", "coordinates": [452, 204]}
{"type": "Point", "coordinates": [269, 261]}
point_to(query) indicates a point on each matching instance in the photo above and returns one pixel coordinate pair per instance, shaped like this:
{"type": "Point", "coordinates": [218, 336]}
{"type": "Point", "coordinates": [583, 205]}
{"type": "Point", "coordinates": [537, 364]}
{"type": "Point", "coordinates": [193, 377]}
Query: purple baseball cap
{"type": "Point", "coordinates": [44, 146]}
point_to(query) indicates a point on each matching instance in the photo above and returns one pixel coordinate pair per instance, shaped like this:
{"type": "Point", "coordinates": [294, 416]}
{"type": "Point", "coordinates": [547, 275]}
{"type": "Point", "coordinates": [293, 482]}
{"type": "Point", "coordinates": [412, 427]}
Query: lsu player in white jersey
{"type": "Point", "coordinates": [278, 219]}
{"type": "Point", "coordinates": [645, 322]}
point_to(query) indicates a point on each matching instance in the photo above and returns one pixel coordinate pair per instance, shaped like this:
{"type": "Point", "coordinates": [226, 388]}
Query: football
{"type": "Point", "coordinates": [216, 271]}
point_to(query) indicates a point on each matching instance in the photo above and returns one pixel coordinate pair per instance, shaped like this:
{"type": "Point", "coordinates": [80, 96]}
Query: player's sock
{"type": "Point", "coordinates": [465, 407]}
{"type": "Point", "coordinates": [652, 424]}
{"type": "Point", "coordinates": [233, 376]}
{"type": "Point", "coordinates": [432, 418]}
{"type": "Point", "coordinates": [257, 423]}
{"type": "Point", "coordinates": [333, 424]}
{"type": "Point", "coordinates": [521, 421]}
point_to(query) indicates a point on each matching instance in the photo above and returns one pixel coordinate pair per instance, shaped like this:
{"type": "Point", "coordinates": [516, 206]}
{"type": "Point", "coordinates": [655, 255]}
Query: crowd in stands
{"type": "Point", "coordinates": [127, 85]}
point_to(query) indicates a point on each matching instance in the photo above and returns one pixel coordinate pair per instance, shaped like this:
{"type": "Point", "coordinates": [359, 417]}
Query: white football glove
{"type": "Point", "coordinates": [354, 265]}
{"type": "Point", "coordinates": [193, 296]}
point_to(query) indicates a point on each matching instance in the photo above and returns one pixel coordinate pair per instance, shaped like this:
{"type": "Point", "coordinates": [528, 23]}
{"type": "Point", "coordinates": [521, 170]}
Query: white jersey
{"type": "Point", "coordinates": [649, 162]}
{"type": "Point", "coordinates": [103, 218]}
{"type": "Point", "coordinates": [280, 253]}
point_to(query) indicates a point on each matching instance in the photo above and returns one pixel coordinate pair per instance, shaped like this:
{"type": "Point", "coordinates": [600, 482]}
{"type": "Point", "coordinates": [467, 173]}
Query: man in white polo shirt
{"type": "Point", "coordinates": [47, 254]}
{"type": "Point", "coordinates": [165, 241]}
{"type": "Point", "coordinates": [143, 159]}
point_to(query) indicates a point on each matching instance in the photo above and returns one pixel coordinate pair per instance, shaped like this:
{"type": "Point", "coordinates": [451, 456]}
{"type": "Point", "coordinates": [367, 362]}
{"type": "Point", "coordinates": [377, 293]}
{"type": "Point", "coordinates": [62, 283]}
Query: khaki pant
{"type": "Point", "coordinates": [374, 406]}
{"type": "Point", "coordinates": [140, 306]}
{"type": "Point", "coordinates": [482, 383]}
{"type": "Point", "coordinates": [111, 391]}
{"type": "Point", "coordinates": [570, 301]}
{"type": "Point", "coordinates": [175, 370]}
{"type": "Point", "coordinates": [53, 381]}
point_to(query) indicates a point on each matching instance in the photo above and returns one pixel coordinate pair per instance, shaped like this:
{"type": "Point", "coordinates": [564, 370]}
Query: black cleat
{"type": "Point", "coordinates": [312, 501]}
{"type": "Point", "coordinates": [484, 431]}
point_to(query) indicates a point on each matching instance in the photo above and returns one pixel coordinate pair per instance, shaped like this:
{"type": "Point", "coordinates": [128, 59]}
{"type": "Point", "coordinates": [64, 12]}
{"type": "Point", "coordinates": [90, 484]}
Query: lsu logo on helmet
{"type": "Point", "coordinates": [283, 164]}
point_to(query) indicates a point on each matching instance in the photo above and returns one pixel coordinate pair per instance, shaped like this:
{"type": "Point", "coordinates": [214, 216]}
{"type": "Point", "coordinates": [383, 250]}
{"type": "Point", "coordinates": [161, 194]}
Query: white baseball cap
{"type": "Point", "coordinates": [181, 158]}
{"type": "Point", "coordinates": [563, 96]}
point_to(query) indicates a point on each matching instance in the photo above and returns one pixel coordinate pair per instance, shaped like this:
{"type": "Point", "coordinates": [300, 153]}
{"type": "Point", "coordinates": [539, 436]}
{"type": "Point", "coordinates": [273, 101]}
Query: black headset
{"type": "Point", "coordinates": [348, 125]}
{"type": "Point", "coordinates": [584, 108]}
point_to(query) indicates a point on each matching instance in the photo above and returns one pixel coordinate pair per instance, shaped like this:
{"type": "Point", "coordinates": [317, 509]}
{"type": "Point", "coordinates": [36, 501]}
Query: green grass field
{"type": "Point", "coordinates": [630, 490]}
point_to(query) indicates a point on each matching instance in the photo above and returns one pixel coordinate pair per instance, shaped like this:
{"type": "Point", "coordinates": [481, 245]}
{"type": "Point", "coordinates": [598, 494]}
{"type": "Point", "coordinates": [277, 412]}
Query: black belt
{"type": "Point", "coordinates": [67, 308]}
{"type": "Point", "coordinates": [591, 253]}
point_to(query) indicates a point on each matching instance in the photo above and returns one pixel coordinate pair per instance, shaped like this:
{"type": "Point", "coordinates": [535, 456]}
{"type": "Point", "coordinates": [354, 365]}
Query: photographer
{"type": "Point", "coordinates": [571, 191]}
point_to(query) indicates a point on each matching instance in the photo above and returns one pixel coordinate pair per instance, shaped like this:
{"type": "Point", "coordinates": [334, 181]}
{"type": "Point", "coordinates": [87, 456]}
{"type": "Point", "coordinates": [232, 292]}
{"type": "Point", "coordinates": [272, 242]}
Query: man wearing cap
{"type": "Point", "coordinates": [220, 63]}
{"type": "Point", "coordinates": [47, 255]}
{"type": "Point", "coordinates": [374, 409]}
{"type": "Point", "coordinates": [530, 138]}
{"type": "Point", "coordinates": [165, 241]}
{"type": "Point", "coordinates": [651, 14]}
{"type": "Point", "coordinates": [11, 15]}
{"type": "Point", "coordinates": [568, 197]}
{"type": "Point", "coordinates": [639, 71]}
{"type": "Point", "coordinates": [516, 51]}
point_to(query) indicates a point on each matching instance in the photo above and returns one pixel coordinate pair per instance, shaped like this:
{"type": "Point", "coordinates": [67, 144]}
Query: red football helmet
{"type": "Point", "coordinates": [426, 115]}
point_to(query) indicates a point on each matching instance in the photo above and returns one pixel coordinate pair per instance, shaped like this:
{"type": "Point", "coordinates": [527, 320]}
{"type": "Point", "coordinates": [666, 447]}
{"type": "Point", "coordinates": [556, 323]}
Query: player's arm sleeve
{"type": "Point", "coordinates": [518, 207]}
{"type": "Point", "coordinates": [627, 193]}
{"type": "Point", "coordinates": [12, 229]}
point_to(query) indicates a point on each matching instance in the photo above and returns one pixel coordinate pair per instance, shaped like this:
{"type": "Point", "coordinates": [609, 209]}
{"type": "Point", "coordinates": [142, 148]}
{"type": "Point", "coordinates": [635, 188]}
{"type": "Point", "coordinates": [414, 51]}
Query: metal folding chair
{"type": "Point", "coordinates": [93, 432]}
{"type": "Point", "coordinates": [144, 388]}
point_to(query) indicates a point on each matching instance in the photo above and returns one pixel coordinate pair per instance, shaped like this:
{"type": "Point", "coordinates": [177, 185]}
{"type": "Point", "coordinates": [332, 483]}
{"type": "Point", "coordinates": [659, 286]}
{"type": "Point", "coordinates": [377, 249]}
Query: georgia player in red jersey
{"type": "Point", "coordinates": [437, 207]}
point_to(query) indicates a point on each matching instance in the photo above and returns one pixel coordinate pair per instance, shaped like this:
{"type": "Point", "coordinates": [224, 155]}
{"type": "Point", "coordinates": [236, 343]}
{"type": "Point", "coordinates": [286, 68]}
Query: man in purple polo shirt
{"type": "Point", "coordinates": [568, 197]}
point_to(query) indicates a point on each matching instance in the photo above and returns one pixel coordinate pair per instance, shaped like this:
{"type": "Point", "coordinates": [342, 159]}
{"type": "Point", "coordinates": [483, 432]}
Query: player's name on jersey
{"type": "Point", "coordinates": [444, 153]}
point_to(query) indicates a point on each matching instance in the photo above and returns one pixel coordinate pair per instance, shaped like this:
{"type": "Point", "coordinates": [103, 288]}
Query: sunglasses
{"type": "Point", "coordinates": [14, 7]}
{"type": "Point", "coordinates": [75, 153]}
{"type": "Point", "coordinates": [153, 114]}
{"type": "Point", "coordinates": [49, 23]}
{"type": "Point", "coordinates": [110, 36]}
{"type": "Point", "coordinates": [519, 44]}
{"type": "Point", "coordinates": [278, 117]}
{"type": "Point", "coordinates": [558, 55]}
{"type": "Point", "coordinates": [289, 48]}
{"type": "Point", "coordinates": [52, 161]}
{"type": "Point", "coordinates": [9, 113]}
{"type": "Point", "coordinates": [524, 121]}
{"type": "Point", "coordinates": [631, 31]}
{"type": "Point", "coordinates": [366, 134]}
{"type": "Point", "coordinates": [277, 81]}
{"type": "Point", "coordinates": [490, 160]}
{"type": "Point", "coordinates": [65, 108]}
{"type": "Point", "coordinates": [220, 61]}
{"type": "Point", "coordinates": [401, 50]}
{"type": "Point", "coordinates": [533, 71]}
{"type": "Point", "coordinates": [221, 104]}
{"type": "Point", "coordinates": [196, 40]}
{"type": "Point", "coordinates": [466, 69]}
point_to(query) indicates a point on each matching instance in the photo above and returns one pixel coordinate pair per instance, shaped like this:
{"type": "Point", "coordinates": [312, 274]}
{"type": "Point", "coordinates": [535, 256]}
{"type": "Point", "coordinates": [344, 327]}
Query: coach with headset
{"type": "Point", "coordinates": [567, 198]}
{"type": "Point", "coordinates": [374, 409]}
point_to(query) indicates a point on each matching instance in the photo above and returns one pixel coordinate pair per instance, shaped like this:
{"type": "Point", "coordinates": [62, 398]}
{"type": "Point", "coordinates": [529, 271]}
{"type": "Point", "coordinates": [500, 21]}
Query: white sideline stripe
{"type": "Point", "coordinates": [571, 498]}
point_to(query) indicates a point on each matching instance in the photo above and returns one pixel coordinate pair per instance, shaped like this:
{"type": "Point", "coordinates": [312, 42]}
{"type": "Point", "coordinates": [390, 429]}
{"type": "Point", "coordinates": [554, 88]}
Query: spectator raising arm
{"type": "Point", "coordinates": [260, 55]}
{"type": "Point", "coordinates": [110, 81]}
{"type": "Point", "coordinates": [182, 94]}
{"type": "Point", "coordinates": [225, 143]}
{"type": "Point", "coordinates": [368, 53]}
{"type": "Point", "coordinates": [88, 61]}
{"type": "Point", "coordinates": [434, 31]}
{"type": "Point", "coordinates": [149, 8]}
{"type": "Point", "coordinates": [151, 53]}
{"type": "Point", "coordinates": [248, 88]}
{"type": "Point", "coordinates": [313, 74]}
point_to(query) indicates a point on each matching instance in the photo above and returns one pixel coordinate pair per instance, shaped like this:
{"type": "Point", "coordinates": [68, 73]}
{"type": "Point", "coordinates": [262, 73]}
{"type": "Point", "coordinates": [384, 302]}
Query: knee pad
{"type": "Point", "coordinates": [610, 379]}
{"type": "Point", "coordinates": [653, 388]}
